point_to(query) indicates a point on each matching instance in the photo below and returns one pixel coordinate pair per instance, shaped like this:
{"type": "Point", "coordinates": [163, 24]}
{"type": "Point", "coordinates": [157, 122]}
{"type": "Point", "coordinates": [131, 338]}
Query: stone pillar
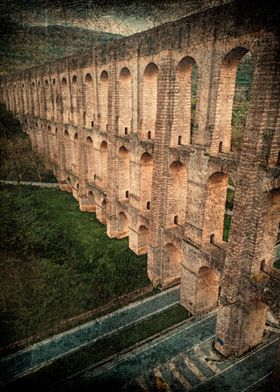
{"type": "Point", "coordinates": [165, 92]}
{"type": "Point", "coordinates": [112, 229]}
{"type": "Point", "coordinates": [241, 322]}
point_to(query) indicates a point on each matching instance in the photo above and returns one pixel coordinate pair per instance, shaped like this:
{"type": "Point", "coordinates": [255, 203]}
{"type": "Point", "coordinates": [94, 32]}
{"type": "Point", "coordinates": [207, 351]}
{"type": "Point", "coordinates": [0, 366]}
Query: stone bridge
{"type": "Point", "coordinates": [140, 131]}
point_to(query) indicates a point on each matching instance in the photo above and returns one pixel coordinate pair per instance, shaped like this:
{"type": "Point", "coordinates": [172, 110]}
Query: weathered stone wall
{"type": "Point", "coordinates": [118, 126]}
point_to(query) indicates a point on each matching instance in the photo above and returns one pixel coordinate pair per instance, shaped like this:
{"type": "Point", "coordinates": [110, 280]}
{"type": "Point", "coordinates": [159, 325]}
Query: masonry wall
{"type": "Point", "coordinates": [118, 126]}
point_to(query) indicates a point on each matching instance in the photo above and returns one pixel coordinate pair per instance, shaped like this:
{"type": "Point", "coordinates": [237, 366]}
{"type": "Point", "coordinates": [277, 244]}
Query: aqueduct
{"type": "Point", "coordinates": [140, 131]}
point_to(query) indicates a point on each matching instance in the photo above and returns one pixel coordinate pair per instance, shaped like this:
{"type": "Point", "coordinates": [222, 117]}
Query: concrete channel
{"type": "Point", "coordinates": [42, 353]}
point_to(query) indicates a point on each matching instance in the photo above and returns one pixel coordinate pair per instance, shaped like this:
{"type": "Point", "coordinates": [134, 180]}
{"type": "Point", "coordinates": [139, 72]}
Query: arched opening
{"type": "Point", "coordinates": [103, 100]}
{"type": "Point", "coordinates": [90, 159]}
{"type": "Point", "coordinates": [49, 142]}
{"type": "Point", "coordinates": [125, 101]}
{"type": "Point", "coordinates": [104, 163]}
{"type": "Point", "coordinates": [123, 225]}
{"type": "Point", "coordinates": [124, 173]}
{"type": "Point", "coordinates": [142, 240]}
{"type": "Point", "coordinates": [233, 100]}
{"type": "Point", "coordinates": [149, 135]}
{"type": "Point", "coordinates": [179, 140]}
{"type": "Point", "coordinates": [67, 150]}
{"type": "Point", "coordinates": [47, 104]}
{"type": "Point", "coordinates": [65, 100]}
{"type": "Point", "coordinates": [146, 173]}
{"type": "Point", "coordinates": [89, 98]}
{"type": "Point", "coordinates": [270, 244]}
{"type": "Point", "coordinates": [171, 264]}
{"type": "Point", "coordinates": [55, 144]}
{"type": "Point", "coordinates": [185, 100]}
{"type": "Point", "coordinates": [76, 151]}
{"type": "Point", "coordinates": [228, 208]}
{"type": "Point", "coordinates": [148, 205]}
{"type": "Point", "coordinates": [207, 289]}
{"type": "Point", "coordinates": [176, 220]}
{"type": "Point", "coordinates": [91, 201]}
{"type": "Point", "coordinates": [104, 212]}
{"type": "Point", "coordinates": [177, 193]}
{"type": "Point", "coordinates": [41, 103]}
{"type": "Point", "coordinates": [218, 208]}
{"type": "Point", "coordinates": [150, 81]}
{"type": "Point", "coordinates": [74, 98]}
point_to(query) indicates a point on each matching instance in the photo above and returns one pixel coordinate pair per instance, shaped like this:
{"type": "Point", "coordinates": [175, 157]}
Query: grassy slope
{"type": "Point", "coordinates": [27, 46]}
{"type": "Point", "coordinates": [56, 262]}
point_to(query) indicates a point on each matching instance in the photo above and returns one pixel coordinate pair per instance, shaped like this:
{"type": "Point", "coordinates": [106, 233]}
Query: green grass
{"type": "Point", "coordinates": [56, 262]}
{"type": "Point", "coordinates": [102, 349]}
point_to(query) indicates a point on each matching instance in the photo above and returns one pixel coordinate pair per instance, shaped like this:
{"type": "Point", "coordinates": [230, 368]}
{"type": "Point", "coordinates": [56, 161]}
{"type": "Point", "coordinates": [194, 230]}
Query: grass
{"type": "Point", "coordinates": [102, 349]}
{"type": "Point", "coordinates": [56, 262]}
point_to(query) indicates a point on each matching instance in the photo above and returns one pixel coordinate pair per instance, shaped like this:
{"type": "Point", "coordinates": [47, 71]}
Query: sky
{"type": "Point", "coordinates": [115, 16]}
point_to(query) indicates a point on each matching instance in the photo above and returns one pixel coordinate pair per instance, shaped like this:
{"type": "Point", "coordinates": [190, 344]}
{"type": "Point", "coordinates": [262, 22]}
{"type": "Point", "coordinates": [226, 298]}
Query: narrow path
{"type": "Point", "coordinates": [32, 183]}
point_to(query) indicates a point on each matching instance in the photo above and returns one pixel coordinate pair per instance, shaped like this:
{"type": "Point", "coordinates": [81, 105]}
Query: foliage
{"type": "Point", "coordinates": [241, 101]}
{"type": "Point", "coordinates": [56, 262]}
{"type": "Point", "coordinates": [17, 159]}
{"type": "Point", "coordinates": [25, 46]}
{"type": "Point", "coordinates": [227, 223]}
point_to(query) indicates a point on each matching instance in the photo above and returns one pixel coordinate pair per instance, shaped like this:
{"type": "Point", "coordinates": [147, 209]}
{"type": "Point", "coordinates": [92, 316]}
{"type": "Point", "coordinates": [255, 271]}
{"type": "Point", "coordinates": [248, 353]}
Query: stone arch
{"type": "Point", "coordinates": [177, 193]}
{"type": "Point", "coordinates": [41, 103]}
{"type": "Point", "coordinates": [91, 202]}
{"type": "Point", "coordinates": [123, 225]}
{"type": "Point", "coordinates": [172, 265]}
{"type": "Point", "coordinates": [104, 163]}
{"type": "Point", "coordinates": [90, 159]}
{"type": "Point", "coordinates": [218, 208]}
{"type": "Point", "coordinates": [65, 95]}
{"type": "Point", "coordinates": [50, 142]}
{"type": "Point", "coordinates": [229, 123]}
{"type": "Point", "coordinates": [125, 101]}
{"type": "Point", "coordinates": [104, 212]}
{"type": "Point", "coordinates": [25, 102]}
{"type": "Point", "coordinates": [143, 233]}
{"type": "Point", "coordinates": [55, 143]}
{"type": "Point", "coordinates": [89, 98]}
{"type": "Point", "coordinates": [207, 289]}
{"type": "Point", "coordinates": [76, 150]}
{"type": "Point", "coordinates": [185, 101]}
{"type": "Point", "coordinates": [123, 173]}
{"type": "Point", "coordinates": [67, 149]}
{"type": "Point", "coordinates": [103, 100]}
{"type": "Point", "coordinates": [74, 99]}
{"type": "Point", "coordinates": [146, 173]}
{"type": "Point", "coordinates": [150, 81]}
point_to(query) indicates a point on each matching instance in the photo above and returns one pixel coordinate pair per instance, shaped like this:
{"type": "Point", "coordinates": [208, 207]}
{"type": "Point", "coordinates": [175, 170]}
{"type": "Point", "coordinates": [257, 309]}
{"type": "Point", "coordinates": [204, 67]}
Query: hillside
{"type": "Point", "coordinates": [24, 46]}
